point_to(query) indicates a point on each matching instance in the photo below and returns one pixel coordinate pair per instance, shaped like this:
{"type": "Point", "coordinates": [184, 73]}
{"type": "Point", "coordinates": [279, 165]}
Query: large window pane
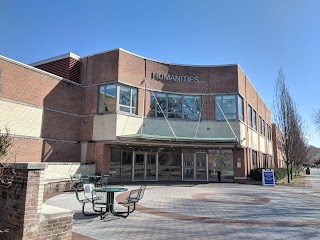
{"type": "Point", "coordinates": [107, 98]}
{"type": "Point", "coordinates": [220, 160]}
{"type": "Point", "coordinates": [134, 100]}
{"type": "Point", "coordinates": [101, 107]}
{"type": "Point", "coordinates": [229, 107]}
{"type": "Point", "coordinates": [162, 101]}
{"type": "Point", "coordinates": [198, 108]}
{"type": "Point", "coordinates": [254, 120]}
{"type": "Point", "coordinates": [125, 95]}
{"type": "Point", "coordinates": [175, 103]}
{"type": "Point", "coordinates": [240, 108]}
{"type": "Point", "coordinates": [175, 106]}
{"type": "Point", "coordinates": [218, 107]}
{"type": "Point", "coordinates": [191, 107]}
{"type": "Point", "coordinates": [128, 99]}
{"type": "Point", "coordinates": [249, 115]}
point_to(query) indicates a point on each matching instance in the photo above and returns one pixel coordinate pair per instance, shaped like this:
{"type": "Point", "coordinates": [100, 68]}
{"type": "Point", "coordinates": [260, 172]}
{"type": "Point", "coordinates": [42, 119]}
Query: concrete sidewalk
{"type": "Point", "coordinates": [208, 211]}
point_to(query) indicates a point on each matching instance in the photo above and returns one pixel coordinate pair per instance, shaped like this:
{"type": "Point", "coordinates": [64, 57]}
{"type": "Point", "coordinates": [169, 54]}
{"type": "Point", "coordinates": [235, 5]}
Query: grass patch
{"type": "Point", "coordinates": [298, 181]}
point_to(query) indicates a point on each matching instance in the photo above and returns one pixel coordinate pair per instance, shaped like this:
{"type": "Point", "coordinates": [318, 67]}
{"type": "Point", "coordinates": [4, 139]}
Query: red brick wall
{"type": "Point", "coordinates": [26, 85]}
{"type": "Point", "coordinates": [21, 208]}
{"type": "Point", "coordinates": [58, 125]}
{"type": "Point", "coordinates": [86, 128]}
{"type": "Point", "coordinates": [68, 68]}
{"type": "Point", "coordinates": [24, 150]}
{"type": "Point", "coordinates": [100, 68]}
{"type": "Point", "coordinates": [239, 172]}
{"type": "Point", "coordinates": [54, 229]}
{"type": "Point", "coordinates": [61, 152]}
{"type": "Point", "coordinates": [65, 97]}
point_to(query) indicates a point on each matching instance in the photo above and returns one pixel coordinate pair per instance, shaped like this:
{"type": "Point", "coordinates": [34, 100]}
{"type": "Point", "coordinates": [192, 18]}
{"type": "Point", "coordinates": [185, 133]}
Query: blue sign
{"type": "Point", "coordinates": [268, 177]}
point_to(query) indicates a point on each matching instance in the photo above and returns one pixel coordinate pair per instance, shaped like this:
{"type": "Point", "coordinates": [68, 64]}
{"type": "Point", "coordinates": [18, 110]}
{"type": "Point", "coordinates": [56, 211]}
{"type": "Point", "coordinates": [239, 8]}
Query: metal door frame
{"type": "Point", "coordinates": [195, 167]}
{"type": "Point", "coordinates": [144, 165]}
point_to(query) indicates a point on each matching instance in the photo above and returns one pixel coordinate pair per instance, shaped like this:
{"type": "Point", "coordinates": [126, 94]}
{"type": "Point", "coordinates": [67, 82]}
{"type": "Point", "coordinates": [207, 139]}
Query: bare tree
{"type": "Point", "coordinates": [5, 142]}
{"type": "Point", "coordinates": [316, 118]}
{"type": "Point", "coordinates": [7, 171]}
{"type": "Point", "coordinates": [293, 144]}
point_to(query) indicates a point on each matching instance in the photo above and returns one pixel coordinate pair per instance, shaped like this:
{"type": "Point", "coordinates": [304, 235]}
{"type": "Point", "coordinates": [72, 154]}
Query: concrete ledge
{"type": "Point", "coordinates": [31, 166]}
{"type": "Point", "coordinates": [51, 212]}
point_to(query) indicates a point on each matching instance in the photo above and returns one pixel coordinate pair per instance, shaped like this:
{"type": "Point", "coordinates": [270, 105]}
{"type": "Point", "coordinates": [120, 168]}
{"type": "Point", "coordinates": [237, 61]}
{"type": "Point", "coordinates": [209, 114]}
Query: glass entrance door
{"type": "Point", "coordinates": [139, 166]}
{"type": "Point", "coordinates": [194, 166]}
{"type": "Point", "coordinates": [201, 166]}
{"type": "Point", "coordinates": [145, 166]}
{"type": "Point", "coordinates": [188, 166]}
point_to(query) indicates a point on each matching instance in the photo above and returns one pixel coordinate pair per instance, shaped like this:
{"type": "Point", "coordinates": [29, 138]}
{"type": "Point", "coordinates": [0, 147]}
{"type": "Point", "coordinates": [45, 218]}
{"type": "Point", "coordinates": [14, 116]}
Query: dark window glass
{"type": "Point", "coordinates": [250, 123]}
{"type": "Point", "coordinates": [162, 107]}
{"type": "Point", "coordinates": [240, 108]}
{"type": "Point", "coordinates": [254, 120]}
{"type": "Point", "coordinates": [174, 106]}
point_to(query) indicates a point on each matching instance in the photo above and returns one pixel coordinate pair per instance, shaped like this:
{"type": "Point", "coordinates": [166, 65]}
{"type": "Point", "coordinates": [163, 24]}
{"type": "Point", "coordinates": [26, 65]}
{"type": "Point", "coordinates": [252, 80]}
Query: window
{"type": "Point", "coordinates": [262, 126]}
{"type": "Point", "coordinates": [240, 108]}
{"type": "Point", "coordinates": [254, 120]}
{"type": "Point", "coordinates": [191, 107]}
{"type": "Point", "coordinates": [254, 159]}
{"type": "Point", "coordinates": [249, 115]}
{"type": "Point", "coordinates": [175, 106]}
{"type": "Point", "coordinates": [228, 107]}
{"type": "Point", "coordinates": [128, 99]}
{"type": "Point", "coordinates": [269, 133]}
{"type": "Point", "coordinates": [108, 99]}
{"type": "Point", "coordinates": [265, 161]}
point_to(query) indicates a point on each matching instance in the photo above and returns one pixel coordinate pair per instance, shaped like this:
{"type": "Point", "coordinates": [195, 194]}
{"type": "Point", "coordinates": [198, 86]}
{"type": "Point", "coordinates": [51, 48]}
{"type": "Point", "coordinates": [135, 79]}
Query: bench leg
{"type": "Point", "coordinates": [125, 214]}
{"type": "Point", "coordinates": [86, 214]}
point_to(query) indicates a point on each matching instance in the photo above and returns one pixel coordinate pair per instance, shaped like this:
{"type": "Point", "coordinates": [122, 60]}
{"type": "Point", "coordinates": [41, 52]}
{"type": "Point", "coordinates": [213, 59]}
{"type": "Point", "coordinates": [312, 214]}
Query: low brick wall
{"type": "Point", "coordinates": [54, 186]}
{"type": "Point", "coordinates": [57, 171]}
{"type": "Point", "coordinates": [23, 211]}
{"type": "Point", "coordinates": [58, 175]}
{"type": "Point", "coordinates": [55, 223]}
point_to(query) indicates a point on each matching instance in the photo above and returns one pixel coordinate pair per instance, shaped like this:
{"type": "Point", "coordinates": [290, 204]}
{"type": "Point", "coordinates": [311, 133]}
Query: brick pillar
{"type": "Point", "coordinates": [22, 206]}
{"type": "Point", "coordinates": [21, 203]}
{"type": "Point", "coordinates": [102, 157]}
{"type": "Point", "coordinates": [239, 165]}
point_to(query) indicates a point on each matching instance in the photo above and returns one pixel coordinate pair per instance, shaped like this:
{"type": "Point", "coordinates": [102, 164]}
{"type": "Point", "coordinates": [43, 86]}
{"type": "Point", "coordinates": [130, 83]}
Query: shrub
{"type": "Point", "coordinates": [279, 173]}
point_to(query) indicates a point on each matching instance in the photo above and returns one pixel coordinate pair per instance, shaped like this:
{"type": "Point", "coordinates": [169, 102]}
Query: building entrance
{"type": "Point", "coordinates": [195, 166]}
{"type": "Point", "coordinates": [145, 166]}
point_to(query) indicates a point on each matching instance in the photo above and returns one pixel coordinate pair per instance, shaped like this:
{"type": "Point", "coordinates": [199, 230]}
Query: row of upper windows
{"type": "Point", "coordinates": [264, 129]}
{"type": "Point", "coordinates": [175, 106]}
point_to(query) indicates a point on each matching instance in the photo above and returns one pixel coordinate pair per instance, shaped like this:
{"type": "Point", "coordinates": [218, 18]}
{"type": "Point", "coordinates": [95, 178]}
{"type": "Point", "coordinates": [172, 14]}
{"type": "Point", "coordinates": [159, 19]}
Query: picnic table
{"type": "Point", "coordinates": [107, 201]}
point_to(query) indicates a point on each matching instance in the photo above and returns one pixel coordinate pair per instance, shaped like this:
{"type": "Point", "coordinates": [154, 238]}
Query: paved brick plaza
{"type": "Point", "coordinates": [208, 211]}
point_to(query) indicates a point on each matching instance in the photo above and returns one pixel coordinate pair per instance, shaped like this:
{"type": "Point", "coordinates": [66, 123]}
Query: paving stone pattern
{"type": "Point", "coordinates": [208, 211]}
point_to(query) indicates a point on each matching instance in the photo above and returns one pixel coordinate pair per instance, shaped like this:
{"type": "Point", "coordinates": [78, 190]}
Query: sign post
{"type": "Point", "coordinates": [268, 177]}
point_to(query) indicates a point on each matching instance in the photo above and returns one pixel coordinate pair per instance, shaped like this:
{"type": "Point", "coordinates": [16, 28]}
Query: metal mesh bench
{"type": "Point", "coordinates": [135, 196]}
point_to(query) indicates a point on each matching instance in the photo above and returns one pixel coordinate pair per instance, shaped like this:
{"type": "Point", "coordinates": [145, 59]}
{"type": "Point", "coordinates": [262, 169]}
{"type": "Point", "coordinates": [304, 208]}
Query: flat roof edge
{"type": "Point", "coordinates": [55, 58]}
{"type": "Point", "coordinates": [150, 59]}
{"type": "Point", "coordinates": [38, 70]}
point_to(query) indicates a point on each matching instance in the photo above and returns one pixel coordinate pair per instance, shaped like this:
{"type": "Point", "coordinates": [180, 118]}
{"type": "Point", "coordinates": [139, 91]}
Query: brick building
{"type": "Point", "coordinates": [137, 118]}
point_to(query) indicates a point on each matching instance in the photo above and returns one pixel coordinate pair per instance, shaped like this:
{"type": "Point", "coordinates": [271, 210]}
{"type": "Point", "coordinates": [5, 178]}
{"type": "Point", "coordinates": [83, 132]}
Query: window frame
{"type": "Point", "coordinates": [250, 122]}
{"type": "Point", "coordinates": [156, 112]}
{"type": "Point", "coordinates": [236, 113]}
{"type": "Point", "coordinates": [133, 102]}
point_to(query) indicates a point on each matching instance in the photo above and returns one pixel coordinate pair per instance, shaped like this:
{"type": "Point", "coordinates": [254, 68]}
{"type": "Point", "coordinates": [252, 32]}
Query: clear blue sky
{"type": "Point", "coordinates": [261, 36]}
